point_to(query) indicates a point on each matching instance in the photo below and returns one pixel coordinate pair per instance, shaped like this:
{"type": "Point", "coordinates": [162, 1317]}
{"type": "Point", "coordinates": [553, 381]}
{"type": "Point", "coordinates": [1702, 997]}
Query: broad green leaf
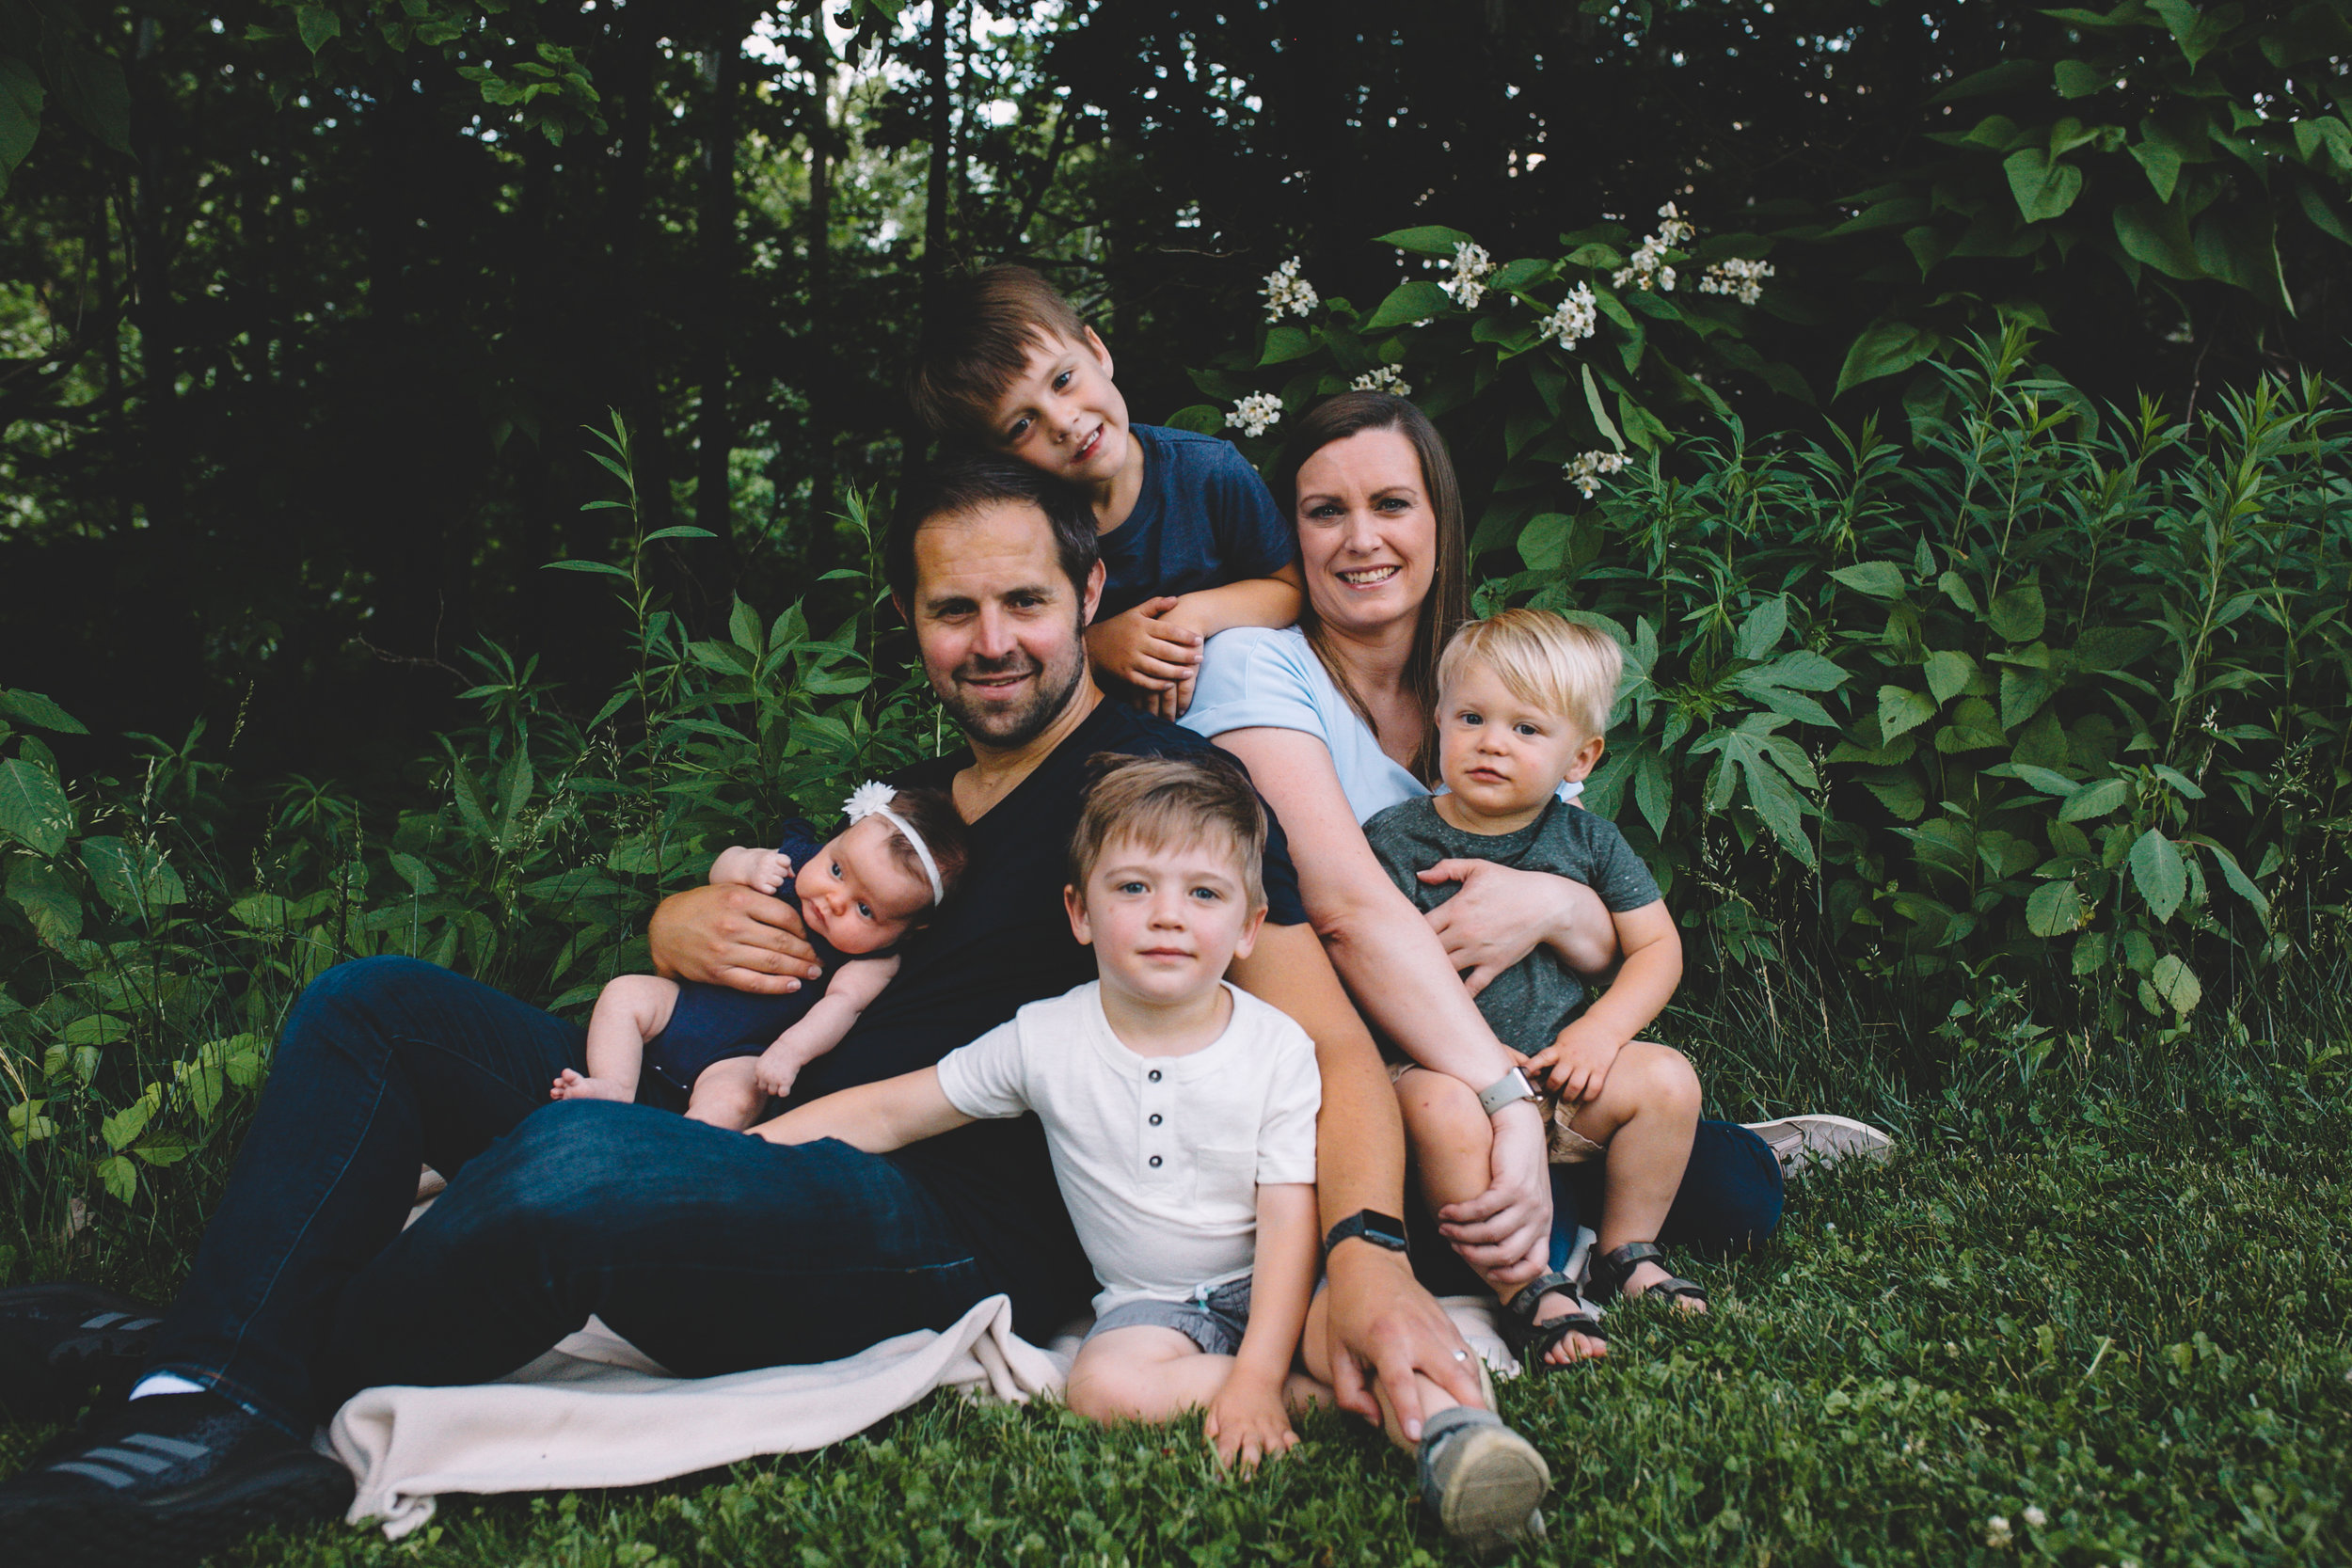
{"type": "Point", "coordinates": [1428, 239]}
{"type": "Point", "coordinates": [2017, 614]}
{"type": "Point", "coordinates": [123, 1128]}
{"type": "Point", "coordinates": [1901, 710]}
{"type": "Point", "coordinates": [2239, 881]}
{"type": "Point", "coordinates": [133, 877]}
{"type": "Point", "coordinates": [1286, 344]}
{"type": "Point", "coordinates": [1407, 304]}
{"type": "Point", "coordinates": [2176, 983]}
{"type": "Point", "coordinates": [33, 809]}
{"type": "Point", "coordinates": [413, 871]}
{"type": "Point", "coordinates": [597, 566]}
{"type": "Point", "coordinates": [2160, 873]}
{"type": "Point", "coordinates": [2115, 647]}
{"type": "Point", "coordinates": [679, 530]}
{"type": "Point", "coordinates": [2043, 186]}
{"type": "Point", "coordinates": [1881, 580]}
{"type": "Point", "coordinates": [2094, 800]}
{"type": "Point", "coordinates": [2156, 233]}
{"type": "Point", "coordinates": [120, 1177]}
{"type": "Point", "coordinates": [21, 98]}
{"type": "Point", "coordinates": [94, 1029]}
{"type": "Point", "coordinates": [1900, 794]}
{"type": "Point", "coordinates": [2080, 79]}
{"type": "Point", "coordinates": [1601, 415]}
{"type": "Point", "coordinates": [2162, 162]}
{"type": "Point", "coordinates": [1802, 671]}
{"type": "Point", "coordinates": [1544, 543]}
{"type": "Point", "coordinates": [48, 901]}
{"type": "Point", "coordinates": [317, 24]}
{"type": "Point", "coordinates": [1652, 790]}
{"type": "Point", "coordinates": [92, 92]}
{"type": "Point", "coordinates": [2055, 910]}
{"type": "Point", "coordinates": [1760, 632]}
{"type": "Point", "coordinates": [1881, 349]}
{"type": "Point", "coordinates": [2043, 780]}
{"type": "Point", "coordinates": [1202, 418]}
{"type": "Point", "coordinates": [31, 707]}
{"type": "Point", "coordinates": [1947, 674]}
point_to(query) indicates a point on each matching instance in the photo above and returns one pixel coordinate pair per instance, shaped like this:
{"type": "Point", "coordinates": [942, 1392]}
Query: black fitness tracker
{"type": "Point", "coordinates": [1381, 1231]}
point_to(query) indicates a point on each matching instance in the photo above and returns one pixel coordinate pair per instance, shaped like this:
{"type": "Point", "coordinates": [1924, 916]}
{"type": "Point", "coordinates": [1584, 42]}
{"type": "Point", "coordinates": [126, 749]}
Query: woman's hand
{"type": "Point", "coordinates": [1506, 1231]}
{"type": "Point", "coordinates": [1502, 913]}
{"type": "Point", "coordinates": [1383, 1327]}
{"type": "Point", "coordinates": [734, 937]}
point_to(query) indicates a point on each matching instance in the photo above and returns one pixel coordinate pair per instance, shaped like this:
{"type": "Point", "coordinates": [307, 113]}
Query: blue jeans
{"type": "Point", "coordinates": [708, 1250]}
{"type": "Point", "coordinates": [1729, 1200]}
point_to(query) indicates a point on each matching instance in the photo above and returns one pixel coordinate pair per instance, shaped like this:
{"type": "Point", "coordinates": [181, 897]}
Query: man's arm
{"type": "Point", "coordinates": [735, 937]}
{"type": "Point", "coordinates": [1382, 1321]}
{"type": "Point", "coordinates": [875, 1117]}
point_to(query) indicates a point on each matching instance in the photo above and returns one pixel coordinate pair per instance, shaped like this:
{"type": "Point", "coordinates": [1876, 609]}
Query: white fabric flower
{"type": "Point", "coordinates": [1387, 378]}
{"type": "Point", "coordinates": [1285, 291]}
{"type": "Point", "coordinates": [1256, 414]}
{"type": "Point", "coordinates": [1579, 316]}
{"type": "Point", "coordinates": [1744, 281]}
{"type": "Point", "coordinates": [1471, 265]}
{"type": "Point", "coordinates": [1585, 469]}
{"type": "Point", "coordinates": [868, 799]}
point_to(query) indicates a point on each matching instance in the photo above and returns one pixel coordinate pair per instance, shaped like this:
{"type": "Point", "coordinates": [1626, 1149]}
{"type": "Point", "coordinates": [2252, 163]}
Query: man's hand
{"type": "Point", "coordinates": [1506, 1231]}
{"type": "Point", "coordinates": [1578, 1063]}
{"type": "Point", "coordinates": [1145, 649]}
{"type": "Point", "coordinates": [1248, 1423]}
{"type": "Point", "coordinates": [733, 937]}
{"type": "Point", "coordinates": [1502, 913]}
{"type": "Point", "coordinates": [1383, 1327]}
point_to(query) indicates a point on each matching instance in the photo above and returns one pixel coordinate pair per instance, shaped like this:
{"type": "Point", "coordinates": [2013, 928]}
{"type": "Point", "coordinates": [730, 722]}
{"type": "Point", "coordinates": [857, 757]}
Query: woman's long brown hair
{"type": "Point", "coordinates": [1447, 605]}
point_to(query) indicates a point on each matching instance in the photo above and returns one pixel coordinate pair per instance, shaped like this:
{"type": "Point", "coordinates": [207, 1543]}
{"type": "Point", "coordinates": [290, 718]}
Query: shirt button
{"type": "Point", "coordinates": [1155, 1119]}
{"type": "Point", "coordinates": [1155, 1076]}
{"type": "Point", "coordinates": [1155, 1161]}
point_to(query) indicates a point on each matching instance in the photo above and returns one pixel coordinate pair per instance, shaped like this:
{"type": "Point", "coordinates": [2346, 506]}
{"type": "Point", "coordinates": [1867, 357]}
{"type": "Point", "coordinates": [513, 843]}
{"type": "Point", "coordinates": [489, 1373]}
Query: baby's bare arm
{"type": "Point", "coordinates": [849, 993]}
{"type": "Point", "coordinates": [1578, 1061]}
{"type": "Point", "coordinates": [764, 869]}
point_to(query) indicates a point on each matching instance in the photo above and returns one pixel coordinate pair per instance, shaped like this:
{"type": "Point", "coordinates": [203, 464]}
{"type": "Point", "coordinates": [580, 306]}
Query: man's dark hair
{"type": "Point", "coordinates": [962, 483]}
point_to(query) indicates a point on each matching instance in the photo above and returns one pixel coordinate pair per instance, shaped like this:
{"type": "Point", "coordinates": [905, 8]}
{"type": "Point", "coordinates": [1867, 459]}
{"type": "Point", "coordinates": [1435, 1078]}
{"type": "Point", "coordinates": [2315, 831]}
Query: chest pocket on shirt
{"type": "Point", "coordinates": [1225, 1172]}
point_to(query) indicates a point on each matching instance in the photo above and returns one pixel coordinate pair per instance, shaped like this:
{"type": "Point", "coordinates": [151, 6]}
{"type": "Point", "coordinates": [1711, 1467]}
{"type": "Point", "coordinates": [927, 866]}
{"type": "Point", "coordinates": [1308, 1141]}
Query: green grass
{"type": "Point", "coordinates": [2117, 1294]}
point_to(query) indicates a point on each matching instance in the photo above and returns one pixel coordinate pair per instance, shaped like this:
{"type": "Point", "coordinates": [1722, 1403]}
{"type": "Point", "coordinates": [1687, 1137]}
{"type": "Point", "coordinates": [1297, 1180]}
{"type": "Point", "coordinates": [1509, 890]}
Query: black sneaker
{"type": "Point", "coordinates": [60, 1341]}
{"type": "Point", "coordinates": [160, 1482]}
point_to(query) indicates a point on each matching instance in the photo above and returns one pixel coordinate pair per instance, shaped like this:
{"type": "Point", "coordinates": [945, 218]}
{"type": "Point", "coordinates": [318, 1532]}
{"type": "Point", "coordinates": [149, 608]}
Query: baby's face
{"type": "Point", "coordinates": [1499, 753]}
{"type": "Point", "coordinates": [856, 894]}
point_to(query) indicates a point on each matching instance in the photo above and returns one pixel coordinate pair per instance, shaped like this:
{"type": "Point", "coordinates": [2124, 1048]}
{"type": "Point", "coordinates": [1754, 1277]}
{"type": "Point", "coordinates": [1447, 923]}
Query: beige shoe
{"type": "Point", "coordinates": [1484, 1482]}
{"type": "Point", "coordinates": [1818, 1142]}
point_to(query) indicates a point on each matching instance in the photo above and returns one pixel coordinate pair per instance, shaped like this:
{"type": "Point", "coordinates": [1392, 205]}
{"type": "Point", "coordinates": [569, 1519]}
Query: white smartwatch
{"type": "Point", "coordinates": [1508, 1089]}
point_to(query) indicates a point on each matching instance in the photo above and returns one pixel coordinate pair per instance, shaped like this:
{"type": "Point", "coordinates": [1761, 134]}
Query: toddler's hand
{"type": "Point", "coordinates": [1576, 1063]}
{"type": "Point", "coordinates": [1142, 648]}
{"type": "Point", "coordinates": [778, 1067]}
{"type": "Point", "coordinates": [1248, 1423]}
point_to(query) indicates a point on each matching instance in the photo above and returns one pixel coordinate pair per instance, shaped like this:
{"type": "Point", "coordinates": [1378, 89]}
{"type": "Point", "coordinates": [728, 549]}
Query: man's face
{"type": "Point", "coordinates": [1000, 627]}
{"type": "Point", "coordinates": [1063, 414]}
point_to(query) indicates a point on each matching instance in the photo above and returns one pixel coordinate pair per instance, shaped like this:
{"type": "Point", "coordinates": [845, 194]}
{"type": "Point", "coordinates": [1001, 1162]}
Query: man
{"type": "Point", "coordinates": [710, 1251]}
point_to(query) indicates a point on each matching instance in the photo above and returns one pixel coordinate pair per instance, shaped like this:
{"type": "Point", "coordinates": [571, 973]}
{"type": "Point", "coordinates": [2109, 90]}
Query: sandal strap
{"type": "Point", "coordinates": [1531, 1294]}
{"type": "Point", "coordinates": [1611, 1272]}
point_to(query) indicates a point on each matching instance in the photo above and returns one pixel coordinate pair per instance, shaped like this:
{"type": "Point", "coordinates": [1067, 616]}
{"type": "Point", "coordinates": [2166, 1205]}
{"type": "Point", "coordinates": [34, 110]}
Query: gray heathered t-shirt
{"type": "Point", "coordinates": [1530, 1002]}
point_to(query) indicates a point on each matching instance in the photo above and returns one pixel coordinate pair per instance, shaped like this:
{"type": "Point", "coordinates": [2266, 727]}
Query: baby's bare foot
{"type": "Point", "coordinates": [573, 1086]}
{"type": "Point", "coordinates": [1574, 1347]}
{"type": "Point", "coordinates": [1645, 1275]}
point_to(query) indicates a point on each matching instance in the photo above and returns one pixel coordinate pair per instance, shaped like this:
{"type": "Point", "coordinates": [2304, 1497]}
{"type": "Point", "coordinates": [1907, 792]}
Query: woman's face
{"type": "Point", "coordinates": [1367, 538]}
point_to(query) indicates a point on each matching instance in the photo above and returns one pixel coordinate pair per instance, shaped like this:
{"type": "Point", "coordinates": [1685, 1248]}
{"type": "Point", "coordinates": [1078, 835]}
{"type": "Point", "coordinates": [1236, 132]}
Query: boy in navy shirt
{"type": "Point", "coordinates": [1192, 541]}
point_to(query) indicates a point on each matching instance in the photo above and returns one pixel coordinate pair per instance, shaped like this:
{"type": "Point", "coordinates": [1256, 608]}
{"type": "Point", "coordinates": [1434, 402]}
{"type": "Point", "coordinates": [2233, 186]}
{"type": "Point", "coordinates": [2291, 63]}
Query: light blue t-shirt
{"type": "Point", "coordinates": [1253, 677]}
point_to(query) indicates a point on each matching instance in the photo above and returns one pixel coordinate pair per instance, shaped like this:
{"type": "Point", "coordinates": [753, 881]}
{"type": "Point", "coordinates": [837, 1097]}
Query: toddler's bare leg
{"type": "Point", "coordinates": [726, 1095]}
{"type": "Point", "coordinates": [1145, 1373]}
{"type": "Point", "coordinates": [1315, 1349]}
{"type": "Point", "coordinates": [630, 1010]}
{"type": "Point", "coordinates": [1646, 1117]}
{"type": "Point", "coordinates": [1452, 1140]}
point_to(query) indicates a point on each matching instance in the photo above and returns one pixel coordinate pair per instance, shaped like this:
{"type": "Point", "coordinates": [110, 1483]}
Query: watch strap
{"type": "Point", "coordinates": [1513, 1086]}
{"type": "Point", "coordinates": [1381, 1231]}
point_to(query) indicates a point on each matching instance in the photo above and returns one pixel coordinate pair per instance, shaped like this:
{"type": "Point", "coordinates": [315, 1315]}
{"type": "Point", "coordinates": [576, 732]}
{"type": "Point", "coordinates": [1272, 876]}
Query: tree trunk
{"type": "Point", "coordinates": [714, 423]}
{"type": "Point", "coordinates": [823, 429]}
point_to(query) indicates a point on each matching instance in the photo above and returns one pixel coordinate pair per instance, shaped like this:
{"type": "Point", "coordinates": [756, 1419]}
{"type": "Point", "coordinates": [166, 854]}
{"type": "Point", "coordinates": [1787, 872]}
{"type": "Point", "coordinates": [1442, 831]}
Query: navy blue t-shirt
{"type": "Point", "coordinates": [1002, 940]}
{"type": "Point", "coordinates": [1203, 520]}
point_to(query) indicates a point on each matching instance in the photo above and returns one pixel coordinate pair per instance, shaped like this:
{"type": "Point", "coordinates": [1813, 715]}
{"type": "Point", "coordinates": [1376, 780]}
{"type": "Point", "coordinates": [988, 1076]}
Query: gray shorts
{"type": "Point", "coordinates": [1214, 1321]}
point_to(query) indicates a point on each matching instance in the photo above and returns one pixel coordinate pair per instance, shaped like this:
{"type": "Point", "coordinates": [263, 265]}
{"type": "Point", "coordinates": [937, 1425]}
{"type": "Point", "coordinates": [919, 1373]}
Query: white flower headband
{"type": "Point", "coordinates": [872, 798]}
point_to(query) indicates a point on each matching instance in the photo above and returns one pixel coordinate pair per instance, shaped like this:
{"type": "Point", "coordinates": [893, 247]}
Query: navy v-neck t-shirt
{"type": "Point", "coordinates": [1000, 941]}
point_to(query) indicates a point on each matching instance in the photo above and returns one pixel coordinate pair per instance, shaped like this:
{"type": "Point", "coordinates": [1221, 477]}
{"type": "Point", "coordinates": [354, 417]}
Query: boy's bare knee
{"type": "Point", "coordinates": [1672, 1082]}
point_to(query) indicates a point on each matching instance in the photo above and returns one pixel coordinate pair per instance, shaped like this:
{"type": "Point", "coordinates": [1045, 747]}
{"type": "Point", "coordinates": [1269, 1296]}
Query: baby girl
{"type": "Point", "coordinates": [858, 894]}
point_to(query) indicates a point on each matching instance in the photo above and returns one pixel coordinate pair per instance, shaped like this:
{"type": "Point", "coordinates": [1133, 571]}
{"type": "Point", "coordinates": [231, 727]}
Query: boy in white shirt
{"type": "Point", "coordinates": [1180, 1112]}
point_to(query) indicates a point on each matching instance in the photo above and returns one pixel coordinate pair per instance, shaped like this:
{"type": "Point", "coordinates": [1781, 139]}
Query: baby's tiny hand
{"type": "Point", "coordinates": [769, 870]}
{"type": "Point", "coordinates": [1248, 1424]}
{"type": "Point", "coordinates": [776, 1071]}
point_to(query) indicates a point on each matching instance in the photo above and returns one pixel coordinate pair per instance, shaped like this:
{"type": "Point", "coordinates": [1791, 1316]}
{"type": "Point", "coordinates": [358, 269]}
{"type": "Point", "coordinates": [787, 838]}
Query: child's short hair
{"type": "Point", "coordinates": [1168, 801]}
{"type": "Point", "coordinates": [932, 813]}
{"type": "Point", "coordinates": [988, 322]}
{"type": "Point", "coordinates": [1559, 665]}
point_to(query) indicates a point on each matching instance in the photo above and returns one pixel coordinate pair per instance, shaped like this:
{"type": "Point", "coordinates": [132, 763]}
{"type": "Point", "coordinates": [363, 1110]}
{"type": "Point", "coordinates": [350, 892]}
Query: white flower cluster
{"type": "Point", "coordinates": [1387, 378]}
{"type": "Point", "coordinates": [1285, 291]}
{"type": "Point", "coordinates": [1577, 317]}
{"type": "Point", "coordinates": [1256, 414]}
{"type": "Point", "coordinates": [1996, 1533]}
{"type": "Point", "coordinates": [2035, 1517]}
{"type": "Point", "coordinates": [1648, 269]}
{"type": "Point", "coordinates": [1586, 472]}
{"type": "Point", "coordinates": [1742, 280]}
{"type": "Point", "coordinates": [1471, 266]}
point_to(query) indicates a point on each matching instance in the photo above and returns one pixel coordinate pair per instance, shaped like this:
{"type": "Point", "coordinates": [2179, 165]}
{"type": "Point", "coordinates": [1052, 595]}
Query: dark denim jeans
{"type": "Point", "coordinates": [1729, 1200]}
{"type": "Point", "coordinates": [708, 1250]}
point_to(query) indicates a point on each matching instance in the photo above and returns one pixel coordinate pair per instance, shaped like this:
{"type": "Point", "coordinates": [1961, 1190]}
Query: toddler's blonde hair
{"type": "Point", "coordinates": [1545, 660]}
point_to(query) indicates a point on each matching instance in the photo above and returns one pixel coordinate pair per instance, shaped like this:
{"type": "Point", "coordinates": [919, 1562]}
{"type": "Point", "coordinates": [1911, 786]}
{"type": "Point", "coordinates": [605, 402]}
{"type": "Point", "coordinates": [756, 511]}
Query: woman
{"type": "Point", "coordinates": [1333, 720]}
